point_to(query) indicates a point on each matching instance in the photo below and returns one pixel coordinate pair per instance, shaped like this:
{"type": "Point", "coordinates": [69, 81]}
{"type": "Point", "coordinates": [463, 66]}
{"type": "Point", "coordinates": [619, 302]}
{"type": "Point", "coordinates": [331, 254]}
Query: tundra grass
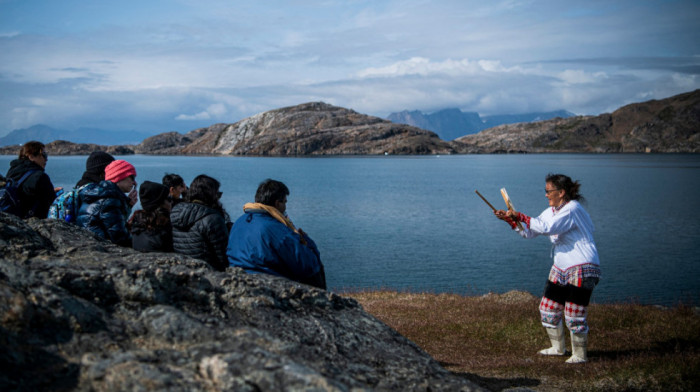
{"type": "Point", "coordinates": [493, 341]}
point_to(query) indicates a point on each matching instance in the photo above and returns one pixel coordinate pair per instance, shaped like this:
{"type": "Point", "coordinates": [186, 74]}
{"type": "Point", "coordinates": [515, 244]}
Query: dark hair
{"type": "Point", "coordinates": [172, 180]}
{"type": "Point", "coordinates": [204, 190]}
{"type": "Point", "coordinates": [32, 148]}
{"type": "Point", "coordinates": [143, 220]}
{"type": "Point", "coordinates": [565, 183]}
{"type": "Point", "coordinates": [270, 191]}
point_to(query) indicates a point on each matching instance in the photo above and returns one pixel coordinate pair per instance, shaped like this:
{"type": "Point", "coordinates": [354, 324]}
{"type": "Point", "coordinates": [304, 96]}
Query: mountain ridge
{"type": "Point", "coordinates": [453, 123]}
{"type": "Point", "coordinates": [669, 125]}
{"type": "Point", "coordinates": [46, 134]}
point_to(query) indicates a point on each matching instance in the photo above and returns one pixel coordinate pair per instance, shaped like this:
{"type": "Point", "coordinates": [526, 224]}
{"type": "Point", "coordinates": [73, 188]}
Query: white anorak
{"type": "Point", "coordinates": [570, 230]}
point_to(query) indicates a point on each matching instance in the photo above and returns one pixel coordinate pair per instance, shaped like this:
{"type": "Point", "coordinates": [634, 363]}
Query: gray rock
{"type": "Point", "coordinates": [78, 313]}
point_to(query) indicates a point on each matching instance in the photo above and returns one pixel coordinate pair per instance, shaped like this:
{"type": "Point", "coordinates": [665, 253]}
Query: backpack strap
{"type": "Point", "coordinates": [25, 176]}
{"type": "Point", "coordinates": [30, 212]}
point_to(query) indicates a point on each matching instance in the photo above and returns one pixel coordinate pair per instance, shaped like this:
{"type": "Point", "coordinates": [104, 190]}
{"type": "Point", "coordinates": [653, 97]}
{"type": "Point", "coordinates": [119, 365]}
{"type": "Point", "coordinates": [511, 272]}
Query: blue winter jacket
{"type": "Point", "coordinates": [104, 210]}
{"type": "Point", "coordinates": [260, 243]}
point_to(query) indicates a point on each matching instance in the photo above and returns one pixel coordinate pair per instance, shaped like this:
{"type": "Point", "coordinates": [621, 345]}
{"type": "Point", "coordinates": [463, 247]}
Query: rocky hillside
{"type": "Point", "coordinates": [450, 124]}
{"type": "Point", "coordinates": [78, 313]}
{"type": "Point", "coordinates": [670, 125]}
{"type": "Point", "coordinates": [313, 128]}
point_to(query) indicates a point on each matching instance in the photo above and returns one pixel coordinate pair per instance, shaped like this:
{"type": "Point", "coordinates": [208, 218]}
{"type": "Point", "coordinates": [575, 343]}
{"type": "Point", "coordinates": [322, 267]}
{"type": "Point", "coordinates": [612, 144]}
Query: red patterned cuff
{"type": "Point", "coordinates": [524, 218]}
{"type": "Point", "coordinates": [511, 223]}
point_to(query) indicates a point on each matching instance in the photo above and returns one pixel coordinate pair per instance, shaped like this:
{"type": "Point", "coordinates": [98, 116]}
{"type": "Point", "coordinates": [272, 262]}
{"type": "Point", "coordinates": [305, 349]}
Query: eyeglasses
{"type": "Point", "coordinates": [547, 191]}
{"type": "Point", "coordinates": [219, 194]}
{"type": "Point", "coordinates": [45, 155]}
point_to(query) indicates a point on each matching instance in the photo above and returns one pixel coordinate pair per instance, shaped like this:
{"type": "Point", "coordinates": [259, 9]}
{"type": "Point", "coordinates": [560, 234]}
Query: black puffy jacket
{"type": "Point", "coordinates": [36, 193]}
{"type": "Point", "coordinates": [200, 231]}
{"type": "Point", "coordinates": [104, 210]}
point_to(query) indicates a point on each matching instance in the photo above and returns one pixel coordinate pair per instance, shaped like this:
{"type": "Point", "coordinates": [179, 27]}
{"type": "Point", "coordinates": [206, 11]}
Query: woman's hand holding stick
{"type": "Point", "coordinates": [500, 214]}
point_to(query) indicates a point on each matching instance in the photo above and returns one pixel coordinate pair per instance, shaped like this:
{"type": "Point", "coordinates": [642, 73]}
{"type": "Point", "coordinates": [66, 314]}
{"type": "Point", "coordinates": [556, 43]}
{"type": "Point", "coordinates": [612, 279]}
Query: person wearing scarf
{"type": "Point", "coordinates": [264, 240]}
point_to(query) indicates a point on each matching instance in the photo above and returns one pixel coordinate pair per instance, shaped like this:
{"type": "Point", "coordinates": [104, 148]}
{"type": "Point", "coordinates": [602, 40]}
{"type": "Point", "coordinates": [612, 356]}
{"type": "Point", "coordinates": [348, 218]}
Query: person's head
{"type": "Point", "coordinates": [560, 189]}
{"type": "Point", "coordinates": [154, 195]}
{"type": "Point", "coordinates": [205, 190]}
{"type": "Point", "coordinates": [96, 164]}
{"type": "Point", "coordinates": [176, 185]}
{"type": "Point", "coordinates": [121, 173]}
{"type": "Point", "coordinates": [272, 193]}
{"type": "Point", "coordinates": [34, 151]}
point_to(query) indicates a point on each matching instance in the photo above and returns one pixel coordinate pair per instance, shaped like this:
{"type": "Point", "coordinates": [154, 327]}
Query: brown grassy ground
{"type": "Point", "coordinates": [493, 341]}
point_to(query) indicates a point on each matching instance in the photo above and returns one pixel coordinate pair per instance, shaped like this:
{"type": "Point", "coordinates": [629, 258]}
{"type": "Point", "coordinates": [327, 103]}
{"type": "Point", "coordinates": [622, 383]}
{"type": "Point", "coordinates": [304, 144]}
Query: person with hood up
{"type": "Point", "coordinates": [150, 227]}
{"type": "Point", "coordinates": [199, 224]}
{"type": "Point", "coordinates": [36, 192]}
{"type": "Point", "coordinates": [105, 207]}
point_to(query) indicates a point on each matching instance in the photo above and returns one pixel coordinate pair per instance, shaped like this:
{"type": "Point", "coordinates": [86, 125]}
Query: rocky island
{"type": "Point", "coordinates": [669, 125]}
{"type": "Point", "coordinates": [79, 313]}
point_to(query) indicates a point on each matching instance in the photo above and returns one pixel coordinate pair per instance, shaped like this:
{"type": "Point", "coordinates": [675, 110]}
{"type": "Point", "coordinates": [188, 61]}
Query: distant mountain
{"type": "Point", "coordinates": [670, 125]}
{"type": "Point", "coordinates": [46, 134]}
{"type": "Point", "coordinates": [450, 124]}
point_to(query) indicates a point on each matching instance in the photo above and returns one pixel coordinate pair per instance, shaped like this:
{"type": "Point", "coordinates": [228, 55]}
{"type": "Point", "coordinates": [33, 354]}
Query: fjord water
{"type": "Point", "coordinates": [415, 223]}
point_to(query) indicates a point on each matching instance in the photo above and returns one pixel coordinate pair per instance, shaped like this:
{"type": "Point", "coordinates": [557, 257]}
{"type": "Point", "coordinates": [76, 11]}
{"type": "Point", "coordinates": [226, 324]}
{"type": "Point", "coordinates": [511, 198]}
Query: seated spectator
{"type": "Point", "coordinates": [36, 192]}
{"type": "Point", "coordinates": [264, 240]}
{"type": "Point", "coordinates": [105, 207]}
{"type": "Point", "coordinates": [176, 186]}
{"type": "Point", "coordinates": [199, 226]}
{"type": "Point", "coordinates": [95, 168]}
{"type": "Point", "coordinates": [150, 227]}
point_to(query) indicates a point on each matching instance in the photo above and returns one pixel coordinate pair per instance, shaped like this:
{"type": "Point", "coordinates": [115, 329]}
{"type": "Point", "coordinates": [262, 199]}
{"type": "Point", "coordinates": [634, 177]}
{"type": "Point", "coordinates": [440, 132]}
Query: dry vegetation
{"type": "Point", "coordinates": [493, 341]}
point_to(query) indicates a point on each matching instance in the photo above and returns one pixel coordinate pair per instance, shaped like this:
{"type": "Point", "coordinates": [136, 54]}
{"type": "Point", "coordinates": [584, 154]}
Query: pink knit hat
{"type": "Point", "coordinates": [119, 170]}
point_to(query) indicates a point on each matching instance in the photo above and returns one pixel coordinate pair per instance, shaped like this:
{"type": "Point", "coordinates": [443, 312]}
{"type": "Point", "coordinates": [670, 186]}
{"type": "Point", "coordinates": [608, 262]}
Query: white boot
{"type": "Point", "coordinates": [579, 348]}
{"type": "Point", "coordinates": [558, 339]}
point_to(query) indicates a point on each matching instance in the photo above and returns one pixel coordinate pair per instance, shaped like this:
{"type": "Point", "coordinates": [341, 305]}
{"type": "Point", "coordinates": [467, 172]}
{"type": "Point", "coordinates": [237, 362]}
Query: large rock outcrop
{"type": "Point", "coordinates": [78, 313]}
{"type": "Point", "coordinates": [669, 125]}
{"type": "Point", "coordinates": [314, 128]}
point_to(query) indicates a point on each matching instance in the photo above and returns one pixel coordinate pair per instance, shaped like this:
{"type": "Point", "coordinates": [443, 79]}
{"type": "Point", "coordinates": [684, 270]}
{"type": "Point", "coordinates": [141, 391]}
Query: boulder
{"type": "Point", "coordinates": [79, 313]}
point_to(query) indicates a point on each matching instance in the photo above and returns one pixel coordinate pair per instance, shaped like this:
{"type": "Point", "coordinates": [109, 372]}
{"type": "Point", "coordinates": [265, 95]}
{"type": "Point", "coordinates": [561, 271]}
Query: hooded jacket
{"type": "Point", "coordinates": [36, 193]}
{"type": "Point", "coordinates": [200, 231]}
{"type": "Point", "coordinates": [104, 210]}
{"type": "Point", "coordinates": [259, 243]}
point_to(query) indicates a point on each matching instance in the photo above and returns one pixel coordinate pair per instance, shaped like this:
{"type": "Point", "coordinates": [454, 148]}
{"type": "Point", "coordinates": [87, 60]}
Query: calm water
{"type": "Point", "coordinates": [415, 223]}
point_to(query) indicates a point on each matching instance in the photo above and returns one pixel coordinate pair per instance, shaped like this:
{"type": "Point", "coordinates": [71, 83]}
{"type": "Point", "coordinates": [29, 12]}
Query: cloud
{"type": "Point", "coordinates": [159, 66]}
{"type": "Point", "coordinates": [213, 111]}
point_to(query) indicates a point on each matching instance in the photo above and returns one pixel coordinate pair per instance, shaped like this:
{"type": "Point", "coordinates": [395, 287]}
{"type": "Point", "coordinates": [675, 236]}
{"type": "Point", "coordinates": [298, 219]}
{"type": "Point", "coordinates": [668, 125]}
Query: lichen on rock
{"type": "Point", "coordinates": [79, 313]}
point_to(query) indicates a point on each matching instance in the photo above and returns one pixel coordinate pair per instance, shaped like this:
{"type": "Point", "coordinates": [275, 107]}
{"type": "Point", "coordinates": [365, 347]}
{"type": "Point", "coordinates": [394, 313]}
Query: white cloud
{"type": "Point", "coordinates": [197, 66]}
{"type": "Point", "coordinates": [213, 111]}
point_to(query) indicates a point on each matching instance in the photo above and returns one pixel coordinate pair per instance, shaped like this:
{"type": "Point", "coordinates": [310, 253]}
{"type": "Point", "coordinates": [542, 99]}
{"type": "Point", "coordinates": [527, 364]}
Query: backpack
{"type": "Point", "coordinates": [9, 195]}
{"type": "Point", "coordinates": [65, 206]}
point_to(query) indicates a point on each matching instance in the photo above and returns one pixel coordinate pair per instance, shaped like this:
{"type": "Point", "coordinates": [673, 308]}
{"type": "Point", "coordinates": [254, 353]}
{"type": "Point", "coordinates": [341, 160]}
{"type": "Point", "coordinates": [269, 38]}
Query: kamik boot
{"type": "Point", "coordinates": [579, 348]}
{"type": "Point", "coordinates": [558, 339]}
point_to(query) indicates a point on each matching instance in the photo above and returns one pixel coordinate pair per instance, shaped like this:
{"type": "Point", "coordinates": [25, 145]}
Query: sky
{"type": "Point", "coordinates": [177, 65]}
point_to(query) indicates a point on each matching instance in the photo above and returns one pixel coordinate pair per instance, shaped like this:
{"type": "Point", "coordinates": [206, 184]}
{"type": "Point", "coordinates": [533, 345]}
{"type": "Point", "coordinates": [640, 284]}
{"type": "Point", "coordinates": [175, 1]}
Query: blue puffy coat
{"type": "Point", "coordinates": [104, 210]}
{"type": "Point", "coordinates": [260, 243]}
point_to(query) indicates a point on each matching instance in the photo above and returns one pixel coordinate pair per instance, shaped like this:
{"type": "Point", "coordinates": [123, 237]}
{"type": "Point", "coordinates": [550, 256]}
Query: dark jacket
{"type": "Point", "coordinates": [260, 243]}
{"type": "Point", "coordinates": [200, 231]}
{"type": "Point", "coordinates": [36, 193]}
{"type": "Point", "coordinates": [104, 210]}
{"type": "Point", "coordinates": [144, 239]}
